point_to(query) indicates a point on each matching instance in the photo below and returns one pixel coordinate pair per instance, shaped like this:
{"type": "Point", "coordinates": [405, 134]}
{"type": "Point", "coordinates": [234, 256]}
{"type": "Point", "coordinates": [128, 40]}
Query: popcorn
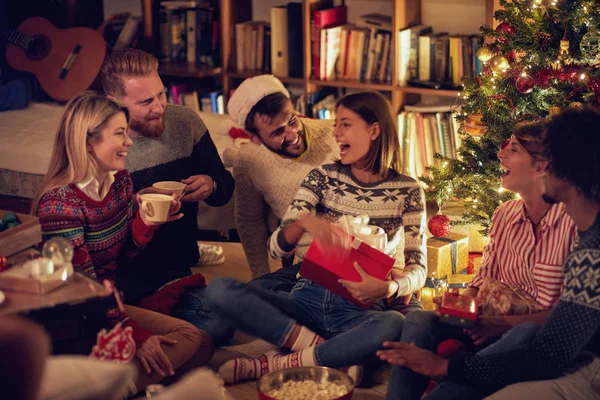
{"type": "Point", "coordinates": [308, 390]}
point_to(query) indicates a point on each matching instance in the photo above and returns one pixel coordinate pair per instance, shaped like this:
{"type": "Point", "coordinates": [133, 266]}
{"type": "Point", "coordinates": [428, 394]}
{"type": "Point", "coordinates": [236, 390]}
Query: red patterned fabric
{"type": "Point", "coordinates": [116, 345]}
{"type": "Point", "coordinates": [515, 257]}
{"type": "Point", "coordinates": [104, 234]}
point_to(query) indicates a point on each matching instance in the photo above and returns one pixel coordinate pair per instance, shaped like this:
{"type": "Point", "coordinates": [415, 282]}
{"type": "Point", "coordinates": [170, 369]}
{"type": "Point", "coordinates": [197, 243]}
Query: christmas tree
{"type": "Point", "coordinates": [540, 59]}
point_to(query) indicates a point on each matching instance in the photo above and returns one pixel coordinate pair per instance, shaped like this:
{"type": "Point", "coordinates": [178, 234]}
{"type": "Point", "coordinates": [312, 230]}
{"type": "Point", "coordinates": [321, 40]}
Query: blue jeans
{"type": "Point", "coordinates": [425, 330]}
{"type": "Point", "coordinates": [193, 307]}
{"type": "Point", "coordinates": [354, 334]}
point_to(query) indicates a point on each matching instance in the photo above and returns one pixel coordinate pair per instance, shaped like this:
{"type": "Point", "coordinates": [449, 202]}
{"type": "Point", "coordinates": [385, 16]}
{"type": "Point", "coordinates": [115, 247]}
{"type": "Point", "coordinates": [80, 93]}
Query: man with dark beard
{"type": "Point", "coordinates": [170, 143]}
{"type": "Point", "coordinates": [269, 171]}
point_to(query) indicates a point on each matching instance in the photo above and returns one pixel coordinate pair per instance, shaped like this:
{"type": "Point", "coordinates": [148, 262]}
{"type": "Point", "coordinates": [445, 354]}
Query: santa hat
{"type": "Point", "coordinates": [250, 92]}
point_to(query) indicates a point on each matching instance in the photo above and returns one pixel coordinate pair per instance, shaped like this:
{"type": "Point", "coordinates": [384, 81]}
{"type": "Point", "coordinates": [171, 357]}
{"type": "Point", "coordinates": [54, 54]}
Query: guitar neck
{"type": "Point", "coordinates": [19, 39]}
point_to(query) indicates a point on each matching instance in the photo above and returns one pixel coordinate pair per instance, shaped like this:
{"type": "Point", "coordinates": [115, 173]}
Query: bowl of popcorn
{"type": "Point", "coordinates": [306, 383]}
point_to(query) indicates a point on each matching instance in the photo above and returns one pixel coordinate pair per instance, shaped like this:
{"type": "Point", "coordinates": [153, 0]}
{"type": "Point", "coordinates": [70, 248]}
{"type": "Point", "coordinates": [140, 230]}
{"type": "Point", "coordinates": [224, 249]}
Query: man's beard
{"type": "Point", "coordinates": [284, 153]}
{"type": "Point", "coordinates": [548, 199]}
{"type": "Point", "coordinates": [145, 128]}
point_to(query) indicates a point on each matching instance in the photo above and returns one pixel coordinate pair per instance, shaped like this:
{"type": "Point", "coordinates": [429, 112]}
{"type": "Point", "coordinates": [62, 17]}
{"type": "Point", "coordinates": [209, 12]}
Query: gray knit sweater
{"type": "Point", "coordinates": [184, 149]}
{"type": "Point", "coordinates": [265, 180]}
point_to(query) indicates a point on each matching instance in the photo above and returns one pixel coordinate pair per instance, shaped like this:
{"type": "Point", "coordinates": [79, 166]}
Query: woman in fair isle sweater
{"type": "Point", "coordinates": [364, 181]}
{"type": "Point", "coordinates": [86, 197]}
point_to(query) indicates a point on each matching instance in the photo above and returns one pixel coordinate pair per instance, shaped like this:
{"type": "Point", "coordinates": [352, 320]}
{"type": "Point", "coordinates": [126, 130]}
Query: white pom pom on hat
{"type": "Point", "coordinates": [250, 92]}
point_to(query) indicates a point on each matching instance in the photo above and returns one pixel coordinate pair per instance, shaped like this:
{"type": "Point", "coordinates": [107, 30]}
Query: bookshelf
{"type": "Point", "coordinates": [405, 13]}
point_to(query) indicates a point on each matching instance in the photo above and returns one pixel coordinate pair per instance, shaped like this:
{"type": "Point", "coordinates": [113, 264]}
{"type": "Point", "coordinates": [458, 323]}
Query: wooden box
{"type": "Point", "coordinates": [19, 279]}
{"type": "Point", "coordinates": [27, 234]}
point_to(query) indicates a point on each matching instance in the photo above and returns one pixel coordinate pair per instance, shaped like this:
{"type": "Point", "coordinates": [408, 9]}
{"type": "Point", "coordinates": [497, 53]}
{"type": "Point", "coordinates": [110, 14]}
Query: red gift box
{"type": "Point", "coordinates": [458, 309]}
{"type": "Point", "coordinates": [325, 268]}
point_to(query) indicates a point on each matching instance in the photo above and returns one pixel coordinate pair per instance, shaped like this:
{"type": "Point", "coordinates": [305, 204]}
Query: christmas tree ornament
{"type": "Point", "coordinates": [525, 83]}
{"type": "Point", "coordinates": [484, 54]}
{"type": "Point", "coordinates": [575, 104]}
{"type": "Point", "coordinates": [439, 225]}
{"type": "Point", "coordinates": [499, 63]}
{"type": "Point", "coordinates": [589, 45]}
{"type": "Point", "coordinates": [553, 110]}
{"type": "Point", "coordinates": [474, 125]}
{"type": "Point", "coordinates": [564, 55]}
{"type": "Point", "coordinates": [504, 29]}
{"type": "Point", "coordinates": [543, 40]}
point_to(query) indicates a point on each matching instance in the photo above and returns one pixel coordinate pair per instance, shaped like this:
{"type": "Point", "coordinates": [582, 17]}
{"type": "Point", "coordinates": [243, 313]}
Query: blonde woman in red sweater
{"type": "Point", "coordinates": [87, 198]}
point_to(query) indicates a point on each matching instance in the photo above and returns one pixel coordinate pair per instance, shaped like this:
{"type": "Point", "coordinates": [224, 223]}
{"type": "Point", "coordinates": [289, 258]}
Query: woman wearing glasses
{"type": "Point", "coordinates": [529, 240]}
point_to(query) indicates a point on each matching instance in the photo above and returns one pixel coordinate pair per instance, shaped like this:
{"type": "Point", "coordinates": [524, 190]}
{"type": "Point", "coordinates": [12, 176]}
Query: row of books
{"type": "Point", "coordinates": [190, 34]}
{"type": "Point", "coordinates": [423, 132]}
{"type": "Point", "coordinates": [360, 51]}
{"type": "Point", "coordinates": [195, 98]}
{"type": "Point", "coordinates": [438, 60]}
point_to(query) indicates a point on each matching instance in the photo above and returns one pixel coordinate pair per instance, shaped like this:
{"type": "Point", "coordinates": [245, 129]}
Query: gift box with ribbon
{"type": "Point", "coordinates": [496, 298]}
{"type": "Point", "coordinates": [322, 266]}
{"type": "Point", "coordinates": [447, 255]}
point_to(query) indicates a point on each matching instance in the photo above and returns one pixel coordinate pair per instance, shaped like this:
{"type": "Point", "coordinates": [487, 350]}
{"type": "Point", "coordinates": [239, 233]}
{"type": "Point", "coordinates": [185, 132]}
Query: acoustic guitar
{"type": "Point", "coordinates": [65, 61]}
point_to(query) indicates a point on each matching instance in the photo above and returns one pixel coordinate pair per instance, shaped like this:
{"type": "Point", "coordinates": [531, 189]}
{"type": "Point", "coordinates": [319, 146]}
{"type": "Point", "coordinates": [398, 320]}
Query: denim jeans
{"type": "Point", "coordinates": [354, 334]}
{"type": "Point", "coordinates": [425, 330]}
{"type": "Point", "coordinates": [193, 307]}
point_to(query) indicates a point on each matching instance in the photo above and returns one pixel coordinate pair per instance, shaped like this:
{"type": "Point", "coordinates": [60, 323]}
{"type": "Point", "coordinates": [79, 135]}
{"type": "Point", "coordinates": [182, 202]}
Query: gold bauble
{"type": "Point", "coordinates": [499, 63]}
{"type": "Point", "coordinates": [474, 125]}
{"type": "Point", "coordinates": [553, 110]}
{"type": "Point", "coordinates": [484, 54]}
{"type": "Point", "coordinates": [575, 104]}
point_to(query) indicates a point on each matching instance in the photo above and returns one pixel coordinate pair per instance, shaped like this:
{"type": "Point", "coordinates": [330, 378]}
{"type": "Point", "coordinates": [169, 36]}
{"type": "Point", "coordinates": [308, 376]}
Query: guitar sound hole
{"type": "Point", "coordinates": [40, 47]}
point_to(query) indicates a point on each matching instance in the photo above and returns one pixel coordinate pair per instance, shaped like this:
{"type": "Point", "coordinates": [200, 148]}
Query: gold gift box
{"type": "Point", "coordinates": [439, 255]}
{"type": "Point", "coordinates": [460, 278]}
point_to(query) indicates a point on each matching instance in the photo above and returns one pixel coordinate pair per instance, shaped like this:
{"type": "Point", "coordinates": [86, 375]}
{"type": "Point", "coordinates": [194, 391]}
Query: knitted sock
{"type": "Point", "coordinates": [306, 338]}
{"type": "Point", "coordinates": [240, 369]}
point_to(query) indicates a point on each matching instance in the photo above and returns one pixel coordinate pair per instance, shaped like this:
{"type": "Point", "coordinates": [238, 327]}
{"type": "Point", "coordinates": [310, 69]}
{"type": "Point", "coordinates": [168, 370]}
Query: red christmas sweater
{"type": "Point", "coordinates": [104, 234]}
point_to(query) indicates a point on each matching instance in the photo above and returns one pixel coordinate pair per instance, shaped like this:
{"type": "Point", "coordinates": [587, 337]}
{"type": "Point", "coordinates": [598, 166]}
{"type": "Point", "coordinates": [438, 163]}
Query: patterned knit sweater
{"type": "Point", "coordinates": [103, 233]}
{"type": "Point", "coordinates": [573, 326]}
{"type": "Point", "coordinates": [265, 180]}
{"type": "Point", "coordinates": [184, 149]}
{"type": "Point", "coordinates": [396, 204]}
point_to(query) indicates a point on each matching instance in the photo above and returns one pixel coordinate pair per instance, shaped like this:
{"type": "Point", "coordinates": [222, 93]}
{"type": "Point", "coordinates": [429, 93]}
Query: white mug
{"type": "Point", "coordinates": [170, 187]}
{"type": "Point", "coordinates": [156, 206]}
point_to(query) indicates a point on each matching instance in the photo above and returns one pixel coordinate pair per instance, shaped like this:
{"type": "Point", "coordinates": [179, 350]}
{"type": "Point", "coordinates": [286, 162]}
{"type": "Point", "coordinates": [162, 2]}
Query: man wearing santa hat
{"type": "Point", "coordinates": [269, 170]}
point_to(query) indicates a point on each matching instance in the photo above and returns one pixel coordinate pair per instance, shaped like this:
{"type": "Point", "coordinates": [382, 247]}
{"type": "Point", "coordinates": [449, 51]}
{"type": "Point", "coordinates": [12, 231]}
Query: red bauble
{"type": "Point", "coordinates": [439, 225]}
{"type": "Point", "coordinates": [525, 84]}
{"type": "Point", "coordinates": [505, 29]}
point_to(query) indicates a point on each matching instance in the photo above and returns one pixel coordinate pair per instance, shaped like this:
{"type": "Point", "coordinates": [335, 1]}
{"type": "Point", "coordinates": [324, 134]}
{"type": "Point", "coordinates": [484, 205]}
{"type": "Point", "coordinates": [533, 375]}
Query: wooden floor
{"type": "Point", "coordinates": [235, 265]}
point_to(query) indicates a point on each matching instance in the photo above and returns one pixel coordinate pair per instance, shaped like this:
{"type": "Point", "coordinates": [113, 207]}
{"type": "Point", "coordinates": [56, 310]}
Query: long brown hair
{"type": "Point", "coordinates": [83, 120]}
{"type": "Point", "coordinates": [372, 107]}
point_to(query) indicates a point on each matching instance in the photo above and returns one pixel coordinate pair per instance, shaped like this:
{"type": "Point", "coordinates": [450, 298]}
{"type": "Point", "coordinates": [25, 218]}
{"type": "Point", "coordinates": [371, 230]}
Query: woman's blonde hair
{"type": "Point", "coordinates": [372, 107]}
{"type": "Point", "coordinates": [83, 120]}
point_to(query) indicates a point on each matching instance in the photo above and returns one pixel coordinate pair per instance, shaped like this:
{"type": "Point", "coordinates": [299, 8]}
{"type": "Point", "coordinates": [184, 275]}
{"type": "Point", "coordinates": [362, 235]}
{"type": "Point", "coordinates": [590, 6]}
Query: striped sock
{"type": "Point", "coordinates": [306, 338]}
{"type": "Point", "coordinates": [241, 369]}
